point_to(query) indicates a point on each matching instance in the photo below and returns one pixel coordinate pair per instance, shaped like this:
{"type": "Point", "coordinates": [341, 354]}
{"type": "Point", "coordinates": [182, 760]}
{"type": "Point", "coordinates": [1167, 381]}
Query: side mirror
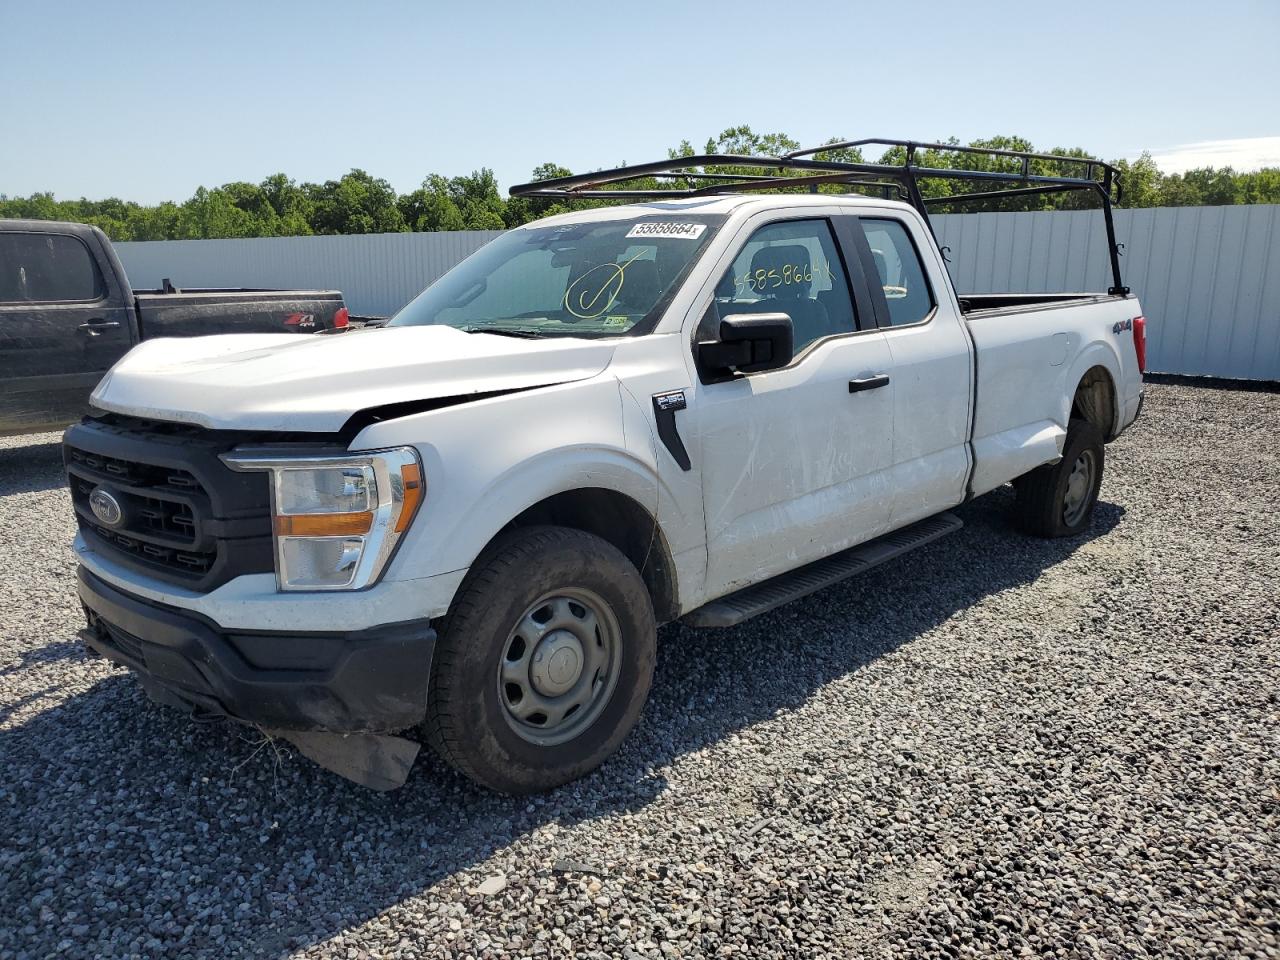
{"type": "Point", "coordinates": [750, 343]}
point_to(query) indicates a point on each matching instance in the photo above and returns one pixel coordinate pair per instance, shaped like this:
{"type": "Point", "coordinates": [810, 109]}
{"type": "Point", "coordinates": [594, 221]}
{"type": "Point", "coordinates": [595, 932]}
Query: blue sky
{"type": "Point", "coordinates": [147, 101]}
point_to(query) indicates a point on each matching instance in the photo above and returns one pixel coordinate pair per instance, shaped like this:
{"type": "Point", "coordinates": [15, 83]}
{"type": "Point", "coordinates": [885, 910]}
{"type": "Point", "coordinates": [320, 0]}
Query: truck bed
{"type": "Point", "coordinates": [200, 312]}
{"type": "Point", "coordinates": [972, 304]}
{"type": "Point", "coordinates": [1032, 352]}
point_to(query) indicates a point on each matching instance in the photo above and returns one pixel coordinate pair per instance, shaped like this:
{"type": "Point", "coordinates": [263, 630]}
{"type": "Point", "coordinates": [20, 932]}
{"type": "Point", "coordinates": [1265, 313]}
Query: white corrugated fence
{"type": "Point", "coordinates": [378, 273]}
{"type": "Point", "coordinates": [1208, 277]}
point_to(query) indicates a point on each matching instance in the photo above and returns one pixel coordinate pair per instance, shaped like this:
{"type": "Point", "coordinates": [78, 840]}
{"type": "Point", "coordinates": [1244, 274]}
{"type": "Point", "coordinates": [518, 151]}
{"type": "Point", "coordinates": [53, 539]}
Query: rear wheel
{"type": "Point", "coordinates": [545, 663]}
{"type": "Point", "coordinates": [1058, 500]}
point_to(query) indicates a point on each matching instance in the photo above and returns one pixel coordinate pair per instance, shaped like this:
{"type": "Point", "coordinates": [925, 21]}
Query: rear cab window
{"type": "Point", "coordinates": [47, 268]}
{"type": "Point", "coordinates": [899, 271]}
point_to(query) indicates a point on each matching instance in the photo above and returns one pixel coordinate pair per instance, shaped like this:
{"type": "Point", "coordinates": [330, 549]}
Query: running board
{"type": "Point", "coordinates": [763, 597]}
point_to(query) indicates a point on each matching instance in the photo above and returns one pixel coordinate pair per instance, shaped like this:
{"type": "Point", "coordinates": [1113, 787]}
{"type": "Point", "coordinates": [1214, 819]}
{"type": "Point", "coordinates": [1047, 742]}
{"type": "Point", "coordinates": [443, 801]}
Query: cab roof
{"type": "Point", "coordinates": [722, 205]}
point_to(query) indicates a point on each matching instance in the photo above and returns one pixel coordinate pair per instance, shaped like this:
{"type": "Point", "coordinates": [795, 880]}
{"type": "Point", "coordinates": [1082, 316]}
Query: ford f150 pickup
{"type": "Point", "coordinates": [67, 313]}
{"type": "Point", "coordinates": [471, 521]}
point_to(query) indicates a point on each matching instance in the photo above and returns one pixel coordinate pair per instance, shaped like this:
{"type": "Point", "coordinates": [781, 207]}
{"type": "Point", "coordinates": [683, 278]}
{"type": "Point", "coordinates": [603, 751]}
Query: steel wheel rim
{"type": "Point", "coordinates": [1075, 501]}
{"type": "Point", "coordinates": [559, 666]}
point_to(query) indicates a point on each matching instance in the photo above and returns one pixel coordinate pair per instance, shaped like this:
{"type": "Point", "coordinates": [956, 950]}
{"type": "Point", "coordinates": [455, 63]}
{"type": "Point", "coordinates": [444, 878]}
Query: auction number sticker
{"type": "Point", "coordinates": [667, 228]}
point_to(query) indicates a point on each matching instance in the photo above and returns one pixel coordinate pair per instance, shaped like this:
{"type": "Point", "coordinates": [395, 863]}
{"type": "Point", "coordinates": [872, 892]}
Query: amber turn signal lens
{"type": "Point", "coordinates": [411, 474]}
{"type": "Point", "coordinates": [325, 524]}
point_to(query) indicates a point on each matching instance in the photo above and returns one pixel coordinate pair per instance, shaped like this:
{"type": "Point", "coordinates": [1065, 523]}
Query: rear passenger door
{"type": "Point", "coordinates": [932, 366]}
{"type": "Point", "coordinates": [62, 325]}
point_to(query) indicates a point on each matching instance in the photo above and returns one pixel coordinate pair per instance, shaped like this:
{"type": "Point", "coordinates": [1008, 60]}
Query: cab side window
{"type": "Point", "coordinates": [792, 267]}
{"type": "Point", "coordinates": [46, 267]}
{"type": "Point", "coordinates": [899, 269]}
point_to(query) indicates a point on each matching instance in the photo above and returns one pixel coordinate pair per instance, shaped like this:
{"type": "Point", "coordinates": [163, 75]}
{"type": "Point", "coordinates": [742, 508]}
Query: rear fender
{"type": "Point", "coordinates": [1099, 353]}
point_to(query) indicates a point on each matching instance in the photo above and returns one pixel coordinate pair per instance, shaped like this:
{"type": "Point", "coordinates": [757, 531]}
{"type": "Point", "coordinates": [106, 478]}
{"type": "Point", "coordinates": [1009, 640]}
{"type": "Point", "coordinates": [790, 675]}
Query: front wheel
{"type": "Point", "coordinates": [1058, 500]}
{"type": "Point", "coordinates": [545, 663]}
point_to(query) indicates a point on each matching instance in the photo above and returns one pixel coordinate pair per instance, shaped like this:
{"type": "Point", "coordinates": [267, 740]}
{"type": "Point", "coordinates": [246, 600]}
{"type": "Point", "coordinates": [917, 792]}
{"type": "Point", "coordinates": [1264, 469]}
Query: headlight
{"type": "Point", "coordinates": [336, 519]}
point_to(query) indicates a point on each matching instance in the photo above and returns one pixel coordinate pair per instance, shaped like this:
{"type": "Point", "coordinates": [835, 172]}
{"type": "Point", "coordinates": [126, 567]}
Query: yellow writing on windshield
{"type": "Point", "coordinates": [593, 293]}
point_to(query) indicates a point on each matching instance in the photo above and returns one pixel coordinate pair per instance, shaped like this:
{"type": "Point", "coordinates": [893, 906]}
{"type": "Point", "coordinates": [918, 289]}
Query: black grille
{"type": "Point", "coordinates": [159, 510]}
{"type": "Point", "coordinates": [184, 515]}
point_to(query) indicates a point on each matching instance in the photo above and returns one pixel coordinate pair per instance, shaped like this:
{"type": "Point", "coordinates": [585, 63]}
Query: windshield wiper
{"type": "Point", "coordinates": [505, 332]}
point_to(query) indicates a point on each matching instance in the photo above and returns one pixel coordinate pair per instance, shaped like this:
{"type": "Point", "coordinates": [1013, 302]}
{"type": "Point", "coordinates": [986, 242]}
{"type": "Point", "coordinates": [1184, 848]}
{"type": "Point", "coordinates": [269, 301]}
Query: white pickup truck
{"type": "Point", "coordinates": [471, 521]}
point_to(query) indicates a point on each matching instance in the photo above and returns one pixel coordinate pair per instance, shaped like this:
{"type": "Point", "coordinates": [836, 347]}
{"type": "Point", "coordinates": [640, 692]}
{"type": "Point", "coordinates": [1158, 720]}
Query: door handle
{"type": "Point", "coordinates": [95, 327]}
{"type": "Point", "coordinates": [869, 383]}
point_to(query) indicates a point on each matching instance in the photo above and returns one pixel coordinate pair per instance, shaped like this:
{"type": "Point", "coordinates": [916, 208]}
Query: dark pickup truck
{"type": "Point", "coordinates": [67, 313]}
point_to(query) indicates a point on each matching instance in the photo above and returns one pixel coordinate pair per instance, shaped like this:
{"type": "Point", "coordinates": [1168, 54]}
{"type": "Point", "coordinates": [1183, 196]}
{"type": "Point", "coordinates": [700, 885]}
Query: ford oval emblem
{"type": "Point", "coordinates": [106, 507]}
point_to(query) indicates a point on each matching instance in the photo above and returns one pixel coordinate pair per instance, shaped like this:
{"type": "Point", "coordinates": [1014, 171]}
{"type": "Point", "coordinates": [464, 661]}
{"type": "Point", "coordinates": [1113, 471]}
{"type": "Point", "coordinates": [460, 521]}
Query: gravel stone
{"type": "Point", "coordinates": [992, 746]}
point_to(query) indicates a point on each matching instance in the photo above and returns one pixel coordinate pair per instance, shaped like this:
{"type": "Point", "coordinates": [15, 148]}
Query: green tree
{"type": "Point", "coordinates": [1215, 187]}
{"type": "Point", "coordinates": [161, 222]}
{"type": "Point", "coordinates": [212, 214]}
{"type": "Point", "coordinates": [1177, 191]}
{"type": "Point", "coordinates": [1262, 186]}
{"type": "Point", "coordinates": [460, 203]}
{"type": "Point", "coordinates": [293, 207]}
{"type": "Point", "coordinates": [478, 199]}
{"type": "Point", "coordinates": [358, 203]}
{"type": "Point", "coordinates": [361, 203]}
{"type": "Point", "coordinates": [431, 207]}
{"type": "Point", "coordinates": [743, 141]}
{"type": "Point", "coordinates": [521, 210]}
{"type": "Point", "coordinates": [1141, 181]}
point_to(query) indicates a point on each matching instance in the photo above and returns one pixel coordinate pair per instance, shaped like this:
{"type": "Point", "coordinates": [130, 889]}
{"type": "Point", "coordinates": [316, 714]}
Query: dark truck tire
{"type": "Point", "coordinates": [1057, 500]}
{"type": "Point", "coordinates": [545, 661]}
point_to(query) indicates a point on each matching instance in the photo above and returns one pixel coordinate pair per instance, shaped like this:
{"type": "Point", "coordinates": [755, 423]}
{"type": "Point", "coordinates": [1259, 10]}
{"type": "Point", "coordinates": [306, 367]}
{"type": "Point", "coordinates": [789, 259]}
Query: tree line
{"type": "Point", "coordinates": [358, 202]}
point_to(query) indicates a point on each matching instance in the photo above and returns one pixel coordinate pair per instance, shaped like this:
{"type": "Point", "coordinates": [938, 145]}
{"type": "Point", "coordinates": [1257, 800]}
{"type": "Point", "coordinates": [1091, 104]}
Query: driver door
{"type": "Point", "coordinates": [795, 461]}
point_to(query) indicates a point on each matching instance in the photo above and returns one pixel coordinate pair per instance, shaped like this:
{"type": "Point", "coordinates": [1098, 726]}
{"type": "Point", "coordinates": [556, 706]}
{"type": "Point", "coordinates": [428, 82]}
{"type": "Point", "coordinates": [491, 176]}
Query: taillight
{"type": "Point", "coordinates": [341, 318]}
{"type": "Point", "coordinates": [1140, 342]}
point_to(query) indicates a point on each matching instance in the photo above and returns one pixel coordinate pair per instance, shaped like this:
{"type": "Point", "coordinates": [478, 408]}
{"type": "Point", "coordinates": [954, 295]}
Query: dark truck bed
{"type": "Point", "coordinates": [68, 312]}
{"type": "Point", "coordinates": [199, 312]}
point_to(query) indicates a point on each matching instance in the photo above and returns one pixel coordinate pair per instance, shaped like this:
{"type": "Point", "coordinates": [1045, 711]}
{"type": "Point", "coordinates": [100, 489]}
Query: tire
{"type": "Point", "coordinates": [1049, 503]}
{"type": "Point", "coordinates": [548, 591]}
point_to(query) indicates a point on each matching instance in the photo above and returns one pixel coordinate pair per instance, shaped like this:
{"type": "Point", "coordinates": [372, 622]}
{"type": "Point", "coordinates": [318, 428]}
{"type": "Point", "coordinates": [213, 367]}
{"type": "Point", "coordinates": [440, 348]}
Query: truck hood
{"type": "Point", "coordinates": [314, 384]}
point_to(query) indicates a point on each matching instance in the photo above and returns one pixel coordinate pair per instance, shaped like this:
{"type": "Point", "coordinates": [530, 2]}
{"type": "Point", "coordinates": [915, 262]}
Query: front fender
{"type": "Point", "coordinates": [487, 462]}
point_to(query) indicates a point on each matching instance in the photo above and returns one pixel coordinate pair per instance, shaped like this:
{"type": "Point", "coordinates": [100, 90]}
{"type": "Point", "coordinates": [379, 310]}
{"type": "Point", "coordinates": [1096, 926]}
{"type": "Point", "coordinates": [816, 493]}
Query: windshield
{"type": "Point", "coordinates": [601, 279]}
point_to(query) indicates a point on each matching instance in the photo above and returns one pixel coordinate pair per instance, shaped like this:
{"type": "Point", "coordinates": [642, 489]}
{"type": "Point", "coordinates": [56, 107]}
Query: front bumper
{"type": "Point", "coordinates": [367, 681]}
{"type": "Point", "coordinates": [252, 604]}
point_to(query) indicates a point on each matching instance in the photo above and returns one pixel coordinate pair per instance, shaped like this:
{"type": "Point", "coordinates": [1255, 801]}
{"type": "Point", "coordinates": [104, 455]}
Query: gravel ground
{"type": "Point", "coordinates": [995, 745]}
